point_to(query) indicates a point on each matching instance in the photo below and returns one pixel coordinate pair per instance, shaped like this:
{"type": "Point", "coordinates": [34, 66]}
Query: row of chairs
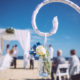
{"type": "Point", "coordinates": [63, 70]}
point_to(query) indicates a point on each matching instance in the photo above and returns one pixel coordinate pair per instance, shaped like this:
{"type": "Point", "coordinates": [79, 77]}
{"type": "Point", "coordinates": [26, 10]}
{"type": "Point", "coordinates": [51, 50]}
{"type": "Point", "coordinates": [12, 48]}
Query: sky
{"type": "Point", "coordinates": [18, 14]}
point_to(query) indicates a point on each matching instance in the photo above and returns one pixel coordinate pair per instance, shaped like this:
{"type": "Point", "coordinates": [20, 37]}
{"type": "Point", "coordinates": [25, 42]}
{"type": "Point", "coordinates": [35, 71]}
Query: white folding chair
{"type": "Point", "coordinates": [79, 66]}
{"type": "Point", "coordinates": [64, 72]}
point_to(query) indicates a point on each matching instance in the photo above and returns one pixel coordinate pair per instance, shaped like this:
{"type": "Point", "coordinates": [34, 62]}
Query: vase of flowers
{"type": "Point", "coordinates": [44, 63]}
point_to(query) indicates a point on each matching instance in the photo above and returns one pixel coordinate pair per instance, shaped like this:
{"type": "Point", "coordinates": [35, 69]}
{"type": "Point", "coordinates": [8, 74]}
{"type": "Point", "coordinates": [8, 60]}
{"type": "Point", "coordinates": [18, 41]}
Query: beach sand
{"type": "Point", "coordinates": [20, 73]}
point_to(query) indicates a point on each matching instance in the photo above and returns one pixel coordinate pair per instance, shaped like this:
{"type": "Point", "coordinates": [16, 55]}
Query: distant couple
{"type": "Point", "coordinates": [14, 53]}
{"type": "Point", "coordinates": [9, 58]}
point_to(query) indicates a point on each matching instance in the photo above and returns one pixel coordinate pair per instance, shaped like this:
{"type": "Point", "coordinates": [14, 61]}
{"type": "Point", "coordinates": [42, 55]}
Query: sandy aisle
{"type": "Point", "coordinates": [20, 73]}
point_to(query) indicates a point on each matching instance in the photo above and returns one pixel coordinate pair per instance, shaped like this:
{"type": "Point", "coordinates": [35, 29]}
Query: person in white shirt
{"type": "Point", "coordinates": [51, 50]}
{"type": "Point", "coordinates": [74, 64]}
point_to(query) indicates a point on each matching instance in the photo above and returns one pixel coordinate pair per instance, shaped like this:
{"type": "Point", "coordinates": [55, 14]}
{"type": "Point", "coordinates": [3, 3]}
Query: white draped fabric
{"type": "Point", "coordinates": [22, 36]}
{"type": "Point", "coordinates": [1, 34]}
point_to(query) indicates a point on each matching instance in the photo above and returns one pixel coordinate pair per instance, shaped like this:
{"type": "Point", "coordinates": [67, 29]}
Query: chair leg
{"type": "Point", "coordinates": [68, 76]}
{"type": "Point", "coordinates": [59, 77]}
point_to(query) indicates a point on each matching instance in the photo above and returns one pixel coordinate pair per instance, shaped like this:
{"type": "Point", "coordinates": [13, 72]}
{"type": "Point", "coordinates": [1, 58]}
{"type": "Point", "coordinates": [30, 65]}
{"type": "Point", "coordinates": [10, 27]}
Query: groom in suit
{"type": "Point", "coordinates": [15, 55]}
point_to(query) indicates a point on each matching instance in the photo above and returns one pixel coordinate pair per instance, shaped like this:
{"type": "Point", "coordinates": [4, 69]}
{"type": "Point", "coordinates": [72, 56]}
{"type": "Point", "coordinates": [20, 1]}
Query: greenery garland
{"type": "Point", "coordinates": [47, 64]}
{"type": "Point", "coordinates": [44, 54]}
{"type": "Point", "coordinates": [10, 30]}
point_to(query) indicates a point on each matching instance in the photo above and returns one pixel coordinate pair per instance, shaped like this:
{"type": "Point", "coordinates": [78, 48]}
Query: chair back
{"type": "Point", "coordinates": [79, 66]}
{"type": "Point", "coordinates": [63, 68]}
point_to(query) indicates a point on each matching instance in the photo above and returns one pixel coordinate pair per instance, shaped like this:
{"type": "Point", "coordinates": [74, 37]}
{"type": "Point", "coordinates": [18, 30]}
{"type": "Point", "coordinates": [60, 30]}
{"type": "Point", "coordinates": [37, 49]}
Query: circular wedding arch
{"type": "Point", "coordinates": [45, 2]}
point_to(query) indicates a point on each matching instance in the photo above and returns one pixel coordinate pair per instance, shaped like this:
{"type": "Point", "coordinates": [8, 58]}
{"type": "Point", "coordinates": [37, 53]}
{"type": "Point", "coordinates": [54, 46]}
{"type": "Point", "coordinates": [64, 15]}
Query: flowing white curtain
{"type": "Point", "coordinates": [1, 40]}
{"type": "Point", "coordinates": [0, 46]}
{"type": "Point", "coordinates": [23, 36]}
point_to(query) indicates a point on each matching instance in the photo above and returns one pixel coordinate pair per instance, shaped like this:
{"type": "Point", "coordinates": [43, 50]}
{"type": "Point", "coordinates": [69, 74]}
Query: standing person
{"type": "Point", "coordinates": [31, 57]}
{"type": "Point", "coordinates": [56, 62]}
{"type": "Point", "coordinates": [11, 52]}
{"type": "Point", "coordinates": [51, 50]}
{"type": "Point", "coordinates": [7, 59]}
{"type": "Point", "coordinates": [32, 52]}
{"type": "Point", "coordinates": [74, 64]}
{"type": "Point", "coordinates": [15, 55]}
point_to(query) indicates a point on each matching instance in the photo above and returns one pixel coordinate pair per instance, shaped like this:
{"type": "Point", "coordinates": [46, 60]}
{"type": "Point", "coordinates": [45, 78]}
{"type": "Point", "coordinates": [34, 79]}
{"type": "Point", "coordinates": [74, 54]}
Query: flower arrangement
{"type": "Point", "coordinates": [44, 54]}
{"type": "Point", "coordinates": [41, 50]}
{"type": "Point", "coordinates": [10, 30]}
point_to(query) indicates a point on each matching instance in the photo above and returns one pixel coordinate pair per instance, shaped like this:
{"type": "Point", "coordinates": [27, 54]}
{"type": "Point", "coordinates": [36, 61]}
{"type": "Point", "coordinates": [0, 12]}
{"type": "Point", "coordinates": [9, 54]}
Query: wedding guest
{"type": "Point", "coordinates": [32, 51]}
{"type": "Point", "coordinates": [74, 64]}
{"type": "Point", "coordinates": [51, 50]}
{"type": "Point", "coordinates": [15, 55]}
{"type": "Point", "coordinates": [56, 62]}
{"type": "Point", "coordinates": [31, 57]}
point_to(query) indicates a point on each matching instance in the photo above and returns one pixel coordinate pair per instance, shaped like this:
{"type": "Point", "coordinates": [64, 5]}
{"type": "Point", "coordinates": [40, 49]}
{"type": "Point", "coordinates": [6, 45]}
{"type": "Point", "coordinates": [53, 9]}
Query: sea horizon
{"type": "Point", "coordinates": [36, 58]}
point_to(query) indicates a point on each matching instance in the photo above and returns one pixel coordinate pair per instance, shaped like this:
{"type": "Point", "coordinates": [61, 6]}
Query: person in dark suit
{"type": "Point", "coordinates": [11, 52]}
{"type": "Point", "coordinates": [15, 54]}
{"type": "Point", "coordinates": [31, 57]}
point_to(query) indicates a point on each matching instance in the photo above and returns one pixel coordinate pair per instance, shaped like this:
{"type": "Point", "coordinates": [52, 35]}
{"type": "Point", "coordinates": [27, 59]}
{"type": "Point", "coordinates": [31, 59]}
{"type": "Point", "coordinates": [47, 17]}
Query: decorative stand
{"type": "Point", "coordinates": [53, 31]}
{"type": "Point", "coordinates": [42, 70]}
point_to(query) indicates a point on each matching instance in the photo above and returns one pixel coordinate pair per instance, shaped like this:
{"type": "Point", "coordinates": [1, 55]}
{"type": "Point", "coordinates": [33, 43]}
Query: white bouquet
{"type": "Point", "coordinates": [41, 50]}
{"type": "Point", "coordinates": [44, 54]}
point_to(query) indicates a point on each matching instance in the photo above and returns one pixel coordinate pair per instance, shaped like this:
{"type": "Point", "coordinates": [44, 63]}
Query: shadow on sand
{"type": "Point", "coordinates": [37, 79]}
{"type": "Point", "coordinates": [31, 79]}
{"type": "Point", "coordinates": [23, 68]}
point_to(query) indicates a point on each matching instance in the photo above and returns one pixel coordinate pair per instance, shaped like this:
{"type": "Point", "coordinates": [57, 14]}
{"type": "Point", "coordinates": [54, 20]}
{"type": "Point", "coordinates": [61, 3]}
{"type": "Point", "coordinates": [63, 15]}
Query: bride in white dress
{"type": "Point", "coordinates": [6, 61]}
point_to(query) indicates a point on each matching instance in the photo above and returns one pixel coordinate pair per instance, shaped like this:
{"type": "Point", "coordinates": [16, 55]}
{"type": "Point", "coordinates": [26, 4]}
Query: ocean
{"type": "Point", "coordinates": [37, 58]}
